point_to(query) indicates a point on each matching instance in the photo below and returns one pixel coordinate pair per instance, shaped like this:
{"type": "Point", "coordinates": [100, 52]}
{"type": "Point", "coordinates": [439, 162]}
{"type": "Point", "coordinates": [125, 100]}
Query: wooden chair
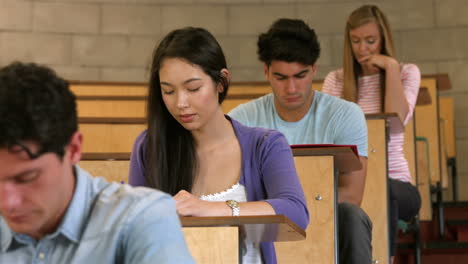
{"type": "Point", "coordinates": [110, 107]}
{"type": "Point", "coordinates": [105, 89]}
{"type": "Point", "coordinates": [447, 127]}
{"type": "Point", "coordinates": [111, 170]}
{"type": "Point", "coordinates": [102, 137]}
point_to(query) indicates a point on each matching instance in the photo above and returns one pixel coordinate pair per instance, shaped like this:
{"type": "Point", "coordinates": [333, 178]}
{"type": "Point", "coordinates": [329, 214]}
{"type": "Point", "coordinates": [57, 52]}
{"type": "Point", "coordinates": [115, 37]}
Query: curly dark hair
{"type": "Point", "coordinates": [290, 40]}
{"type": "Point", "coordinates": [35, 105]}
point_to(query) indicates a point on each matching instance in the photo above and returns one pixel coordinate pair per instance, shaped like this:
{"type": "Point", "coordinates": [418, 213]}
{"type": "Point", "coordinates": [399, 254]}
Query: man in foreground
{"type": "Point", "coordinates": [52, 211]}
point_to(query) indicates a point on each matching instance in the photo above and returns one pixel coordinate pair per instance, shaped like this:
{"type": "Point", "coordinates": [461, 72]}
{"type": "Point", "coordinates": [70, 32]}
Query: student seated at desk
{"type": "Point", "coordinates": [51, 211]}
{"type": "Point", "coordinates": [212, 164]}
{"type": "Point", "coordinates": [289, 51]}
{"type": "Point", "coordinates": [374, 79]}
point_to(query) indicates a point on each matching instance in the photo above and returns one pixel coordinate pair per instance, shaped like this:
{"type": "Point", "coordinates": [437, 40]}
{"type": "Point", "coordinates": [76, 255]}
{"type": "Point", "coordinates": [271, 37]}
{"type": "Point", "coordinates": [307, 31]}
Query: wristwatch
{"type": "Point", "coordinates": [234, 206]}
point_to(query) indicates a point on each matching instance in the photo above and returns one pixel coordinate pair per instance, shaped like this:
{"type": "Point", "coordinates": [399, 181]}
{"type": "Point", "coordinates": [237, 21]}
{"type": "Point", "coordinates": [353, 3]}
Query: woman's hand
{"type": "Point", "coordinates": [373, 63]}
{"type": "Point", "coordinates": [188, 204]}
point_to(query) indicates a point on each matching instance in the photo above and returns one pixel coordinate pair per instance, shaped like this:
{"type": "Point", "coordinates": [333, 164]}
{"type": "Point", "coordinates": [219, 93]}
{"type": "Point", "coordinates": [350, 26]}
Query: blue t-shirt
{"type": "Point", "coordinates": [330, 120]}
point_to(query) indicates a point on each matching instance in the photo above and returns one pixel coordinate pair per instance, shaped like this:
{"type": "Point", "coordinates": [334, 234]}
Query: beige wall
{"type": "Point", "coordinates": [112, 40]}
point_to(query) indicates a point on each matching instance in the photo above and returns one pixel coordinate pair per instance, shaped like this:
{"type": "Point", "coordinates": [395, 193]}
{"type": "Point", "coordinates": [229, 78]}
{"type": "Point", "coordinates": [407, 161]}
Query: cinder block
{"type": "Point", "coordinates": [458, 73]}
{"type": "Point", "coordinates": [66, 17]}
{"type": "Point", "coordinates": [247, 74]}
{"type": "Point", "coordinates": [326, 50]}
{"type": "Point", "coordinates": [435, 44]}
{"type": "Point", "coordinates": [240, 51]}
{"type": "Point", "coordinates": [131, 19]}
{"type": "Point", "coordinates": [255, 19]}
{"type": "Point", "coordinates": [94, 1]}
{"type": "Point", "coordinates": [162, 1]}
{"type": "Point", "coordinates": [282, 1]}
{"type": "Point", "coordinates": [451, 12]}
{"type": "Point", "coordinates": [462, 155]}
{"type": "Point", "coordinates": [461, 118]}
{"type": "Point", "coordinates": [100, 50]}
{"type": "Point", "coordinates": [426, 67]}
{"type": "Point", "coordinates": [326, 18]}
{"type": "Point", "coordinates": [15, 14]}
{"type": "Point", "coordinates": [335, 49]}
{"type": "Point", "coordinates": [323, 70]}
{"type": "Point", "coordinates": [35, 47]}
{"type": "Point", "coordinates": [462, 185]}
{"type": "Point", "coordinates": [77, 73]}
{"type": "Point", "coordinates": [212, 18]}
{"type": "Point", "coordinates": [228, 1]}
{"type": "Point", "coordinates": [461, 132]}
{"type": "Point", "coordinates": [140, 51]}
{"type": "Point", "coordinates": [403, 14]}
{"type": "Point", "coordinates": [124, 74]}
{"type": "Point", "coordinates": [172, 2]}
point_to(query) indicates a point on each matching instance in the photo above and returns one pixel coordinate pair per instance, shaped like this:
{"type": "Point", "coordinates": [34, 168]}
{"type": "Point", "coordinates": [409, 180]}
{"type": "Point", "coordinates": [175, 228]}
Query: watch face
{"type": "Point", "coordinates": [232, 203]}
{"type": "Point", "coordinates": [234, 206]}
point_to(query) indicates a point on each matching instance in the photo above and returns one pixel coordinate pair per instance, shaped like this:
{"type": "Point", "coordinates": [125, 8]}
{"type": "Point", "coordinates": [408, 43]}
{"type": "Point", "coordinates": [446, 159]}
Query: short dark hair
{"type": "Point", "coordinates": [35, 105]}
{"type": "Point", "coordinates": [170, 153]}
{"type": "Point", "coordinates": [290, 40]}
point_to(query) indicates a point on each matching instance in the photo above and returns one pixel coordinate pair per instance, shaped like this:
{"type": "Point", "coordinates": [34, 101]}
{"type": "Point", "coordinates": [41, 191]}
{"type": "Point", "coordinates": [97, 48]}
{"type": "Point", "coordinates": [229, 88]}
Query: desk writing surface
{"type": "Point", "coordinates": [344, 158]}
{"type": "Point", "coordinates": [258, 228]}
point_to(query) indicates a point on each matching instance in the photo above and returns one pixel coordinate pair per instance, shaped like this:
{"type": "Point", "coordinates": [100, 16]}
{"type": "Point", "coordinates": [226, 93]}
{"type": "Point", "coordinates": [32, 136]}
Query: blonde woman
{"type": "Point", "coordinates": [374, 79]}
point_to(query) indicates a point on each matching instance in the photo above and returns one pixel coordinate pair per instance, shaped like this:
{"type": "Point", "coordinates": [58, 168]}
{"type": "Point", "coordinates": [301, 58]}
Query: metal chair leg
{"type": "Point", "coordinates": [417, 241]}
{"type": "Point", "coordinates": [452, 163]}
{"type": "Point", "coordinates": [440, 209]}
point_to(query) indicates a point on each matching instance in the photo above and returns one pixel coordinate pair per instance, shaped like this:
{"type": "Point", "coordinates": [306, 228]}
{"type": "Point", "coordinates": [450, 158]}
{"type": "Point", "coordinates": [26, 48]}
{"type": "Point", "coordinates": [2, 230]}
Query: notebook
{"type": "Point", "coordinates": [353, 147]}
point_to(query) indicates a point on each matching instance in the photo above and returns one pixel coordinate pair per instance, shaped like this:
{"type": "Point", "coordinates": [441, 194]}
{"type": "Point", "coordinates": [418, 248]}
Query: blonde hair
{"type": "Point", "coordinates": [351, 68]}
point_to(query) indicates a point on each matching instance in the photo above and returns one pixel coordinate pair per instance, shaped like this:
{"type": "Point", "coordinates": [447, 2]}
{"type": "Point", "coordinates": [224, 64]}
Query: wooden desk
{"type": "Point", "coordinates": [376, 197]}
{"type": "Point", "coordinates": [217, 239]}
{"type": "Point", "coordinates": [316, 171]}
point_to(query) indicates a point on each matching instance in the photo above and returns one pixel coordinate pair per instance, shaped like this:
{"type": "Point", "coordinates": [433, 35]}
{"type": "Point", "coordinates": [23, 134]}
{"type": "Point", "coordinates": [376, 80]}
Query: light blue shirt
{"type": "Point", "coordinates": [330, 120]}
{"type": "Point", "coordinates": [105, 223]}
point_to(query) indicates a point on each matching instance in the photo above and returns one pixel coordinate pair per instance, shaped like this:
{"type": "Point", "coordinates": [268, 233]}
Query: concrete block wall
{"type": "Point", "coordinates": [112, 40]}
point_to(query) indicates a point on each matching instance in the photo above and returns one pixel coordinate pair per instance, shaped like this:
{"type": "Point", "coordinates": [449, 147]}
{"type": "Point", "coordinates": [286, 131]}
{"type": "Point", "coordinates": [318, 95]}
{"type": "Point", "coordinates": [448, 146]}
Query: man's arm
{"type": "Point", "coordinates": [351, 184]}
{"type": "Point", "coordinates": [154, 234]}
{"type": "Point", "coordinates": [352, 130]}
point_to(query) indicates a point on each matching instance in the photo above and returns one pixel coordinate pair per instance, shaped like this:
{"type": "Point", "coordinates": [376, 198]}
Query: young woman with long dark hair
{"type": "Point", "coordinates": [213, 165]}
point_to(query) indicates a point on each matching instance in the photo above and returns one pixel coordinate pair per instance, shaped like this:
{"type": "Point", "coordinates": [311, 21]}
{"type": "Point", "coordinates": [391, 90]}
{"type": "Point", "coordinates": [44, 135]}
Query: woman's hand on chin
{"type": "Point", "coordinates": [374, 62]}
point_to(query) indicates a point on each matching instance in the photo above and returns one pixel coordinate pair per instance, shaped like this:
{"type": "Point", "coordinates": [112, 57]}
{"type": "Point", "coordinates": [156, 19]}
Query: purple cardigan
{"type": "Point", "coordinates": [268, 174]}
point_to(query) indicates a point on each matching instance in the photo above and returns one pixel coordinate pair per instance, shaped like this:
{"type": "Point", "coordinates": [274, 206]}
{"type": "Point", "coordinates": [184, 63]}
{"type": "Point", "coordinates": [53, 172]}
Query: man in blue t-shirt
{"type": "Point", "coordinates": [289, 51]}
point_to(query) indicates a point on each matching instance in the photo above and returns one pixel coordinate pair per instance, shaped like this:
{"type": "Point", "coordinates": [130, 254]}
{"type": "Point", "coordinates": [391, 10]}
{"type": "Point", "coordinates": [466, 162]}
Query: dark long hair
{"type": "Point", "coordinates": [171, 151]}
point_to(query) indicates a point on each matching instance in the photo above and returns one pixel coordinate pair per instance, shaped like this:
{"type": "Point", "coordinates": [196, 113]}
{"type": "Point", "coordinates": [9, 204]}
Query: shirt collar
{"type": "Point", "coordinates": [5, 235]}
{"type": "Point", "coordinates": [75, 217]}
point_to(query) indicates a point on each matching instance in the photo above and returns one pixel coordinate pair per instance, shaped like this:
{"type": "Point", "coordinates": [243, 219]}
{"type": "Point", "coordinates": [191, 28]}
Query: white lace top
{"type": "Point", "coordinates": [250, 251]}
